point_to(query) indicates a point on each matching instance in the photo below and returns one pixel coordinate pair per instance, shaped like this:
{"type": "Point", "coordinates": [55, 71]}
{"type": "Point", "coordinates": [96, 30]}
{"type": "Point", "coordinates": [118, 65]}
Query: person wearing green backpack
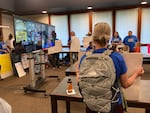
{"type": "Point", "coordinates": [93, 79]}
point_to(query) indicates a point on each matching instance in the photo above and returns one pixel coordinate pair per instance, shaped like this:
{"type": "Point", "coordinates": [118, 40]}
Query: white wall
{"type": "Point", "coordinates": [7, 20]}
{"type": "Point", "coordinates": [43, 18]}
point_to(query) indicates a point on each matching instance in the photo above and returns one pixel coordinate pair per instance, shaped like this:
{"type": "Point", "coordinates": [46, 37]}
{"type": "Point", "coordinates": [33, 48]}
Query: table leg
{"type": "Point", "coordinates": [67, 106]}
{"type": "Point", "coordinates": [147, 110]}
{"type": "Point", "coordinates": [53, 104]}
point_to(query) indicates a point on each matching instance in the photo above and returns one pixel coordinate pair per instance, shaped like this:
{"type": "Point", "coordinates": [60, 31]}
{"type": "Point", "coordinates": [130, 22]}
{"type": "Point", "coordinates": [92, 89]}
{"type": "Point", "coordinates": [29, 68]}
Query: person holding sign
{"type": "Point", "coordinates": [74, 46]}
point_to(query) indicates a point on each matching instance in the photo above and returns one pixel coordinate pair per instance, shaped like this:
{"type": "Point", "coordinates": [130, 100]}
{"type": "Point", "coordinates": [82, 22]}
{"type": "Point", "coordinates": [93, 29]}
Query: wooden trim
{"type": "Point", "coordinates": [1, 33]}
{"type": "Point", "coordinates": [49, 19]}
{"type": "Point", "coordinates": [139, 23]}
{"type": "Point", "coordinates": [69, 30]}
{"type": "Point", "coordinates": [90, 21]}
{"type": "Point", "coordinates": [143, 44]}
{"type": "Point", "coordinates": [113, 21]}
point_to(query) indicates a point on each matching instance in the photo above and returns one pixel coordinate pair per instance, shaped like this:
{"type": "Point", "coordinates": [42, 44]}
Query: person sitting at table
{"type": "Point", "coordinates": [3, 48]}
{"type": "Point", "coordinates": [90, 47]}
{"type": "Point", "coordinates": [116, 39]}
{"type": "Point", "coordinates": [130, 41]}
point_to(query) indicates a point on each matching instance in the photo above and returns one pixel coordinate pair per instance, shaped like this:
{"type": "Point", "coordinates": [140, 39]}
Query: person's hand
{"type": "Point", "coordinates": [140, 71]}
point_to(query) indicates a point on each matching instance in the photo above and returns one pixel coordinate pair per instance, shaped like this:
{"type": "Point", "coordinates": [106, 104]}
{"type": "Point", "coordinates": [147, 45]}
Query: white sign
{"type": "Point", "coordinates": [20, 69]}
{"type": "Point", "coordinates": [55, 49]}
{"type": "Point", "coordinates": [24, 60]}
{"type": "Point", "coordinates": [133, 62]}
{"type": "Point", "coordinates": [75, 44]}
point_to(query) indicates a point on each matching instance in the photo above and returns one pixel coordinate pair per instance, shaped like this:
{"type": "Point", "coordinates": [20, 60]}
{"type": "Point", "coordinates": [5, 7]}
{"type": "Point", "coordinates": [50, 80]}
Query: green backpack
{"type": "Point", "coordinates": [96, 78]}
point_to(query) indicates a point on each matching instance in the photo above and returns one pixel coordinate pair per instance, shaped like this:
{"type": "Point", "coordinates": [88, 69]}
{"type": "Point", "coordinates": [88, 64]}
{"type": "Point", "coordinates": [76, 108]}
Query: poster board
{"type": "Point", "coordinates": [6, 66]}
{"type": "Point", "coordinates": [86, 41]}
{"type": "Point", "coordinates": [20, 69]}
{"type": "Point", "coordinates": [75, 44]}
{"type": "Point", "coordinates": [25, 61]}
{"type": "Point", "coordinates": [133, 62]}
{"type": "Point", "coordinates": [55, 49]}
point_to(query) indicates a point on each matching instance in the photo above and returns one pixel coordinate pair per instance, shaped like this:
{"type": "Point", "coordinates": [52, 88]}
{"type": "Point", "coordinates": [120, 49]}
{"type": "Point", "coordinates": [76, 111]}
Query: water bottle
{"type": "Point", "coordinates": [69, 87]}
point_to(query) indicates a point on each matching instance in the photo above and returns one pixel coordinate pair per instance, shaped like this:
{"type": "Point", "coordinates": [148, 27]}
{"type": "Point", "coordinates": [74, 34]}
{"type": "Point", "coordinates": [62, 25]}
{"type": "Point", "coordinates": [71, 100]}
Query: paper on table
{"type": "Point", "coordinates": [133, 62]}
{"type": "Point", "coordinates": [73, 92]}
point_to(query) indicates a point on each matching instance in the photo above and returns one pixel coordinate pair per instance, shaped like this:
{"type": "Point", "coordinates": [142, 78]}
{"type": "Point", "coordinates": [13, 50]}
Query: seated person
{"type": "Point", "coordinates": [90, 47]}
{"type": "Point", "coordinates": [116, 39]}
{"type": "Point", "coordinates": [130, 41]}
{"type": "Point", "coordinates": [3, 49]}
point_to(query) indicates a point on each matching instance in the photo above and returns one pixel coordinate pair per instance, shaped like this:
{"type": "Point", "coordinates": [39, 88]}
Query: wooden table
{"type": "Point", "coordinates": [59, 93]}
{"type": "Point", "coordinates": [146, 58]}
{"type": "Point", "coordinates": [72, 69]}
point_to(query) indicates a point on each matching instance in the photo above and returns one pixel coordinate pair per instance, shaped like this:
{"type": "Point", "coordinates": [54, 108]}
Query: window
{"type": "Point", "coordinates": [145, 34]}
{"type": "Point", "coordinates": [126, 20]}
{"type": "Point", "coordinates": [80, 25]}
{"type": "Point", "coordinates": [61, 27]}
{"type": "Point", "coordinates": [102, 17]}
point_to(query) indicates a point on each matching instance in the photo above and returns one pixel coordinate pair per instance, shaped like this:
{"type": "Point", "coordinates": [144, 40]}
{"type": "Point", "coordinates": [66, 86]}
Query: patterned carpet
{"type": "Point", "coordinates": [11, 89]}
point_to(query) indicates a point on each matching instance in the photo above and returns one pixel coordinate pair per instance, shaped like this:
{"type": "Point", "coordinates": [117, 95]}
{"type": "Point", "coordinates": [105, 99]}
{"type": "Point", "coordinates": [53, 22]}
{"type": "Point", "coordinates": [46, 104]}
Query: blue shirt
{"type": "Point", "coordinates": [89, 48]}
{"type": "Point", "coordinates": [130, 41]}
{"type": "Point", "coordinates": [1, 47]}
{"type": "Point", "coordinates": [118, 61]}
{"type": "Point", "coordinates": [116, 40]}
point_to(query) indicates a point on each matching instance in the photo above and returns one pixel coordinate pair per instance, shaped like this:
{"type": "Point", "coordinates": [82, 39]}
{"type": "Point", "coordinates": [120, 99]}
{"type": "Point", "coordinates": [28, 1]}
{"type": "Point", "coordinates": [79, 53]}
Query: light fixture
{"type": "Point", "coordinates": [89, 7]}
{"type": "Point", "coordinates": [44, 11]}
{"type": "Point", "coordinates": [143, 2]}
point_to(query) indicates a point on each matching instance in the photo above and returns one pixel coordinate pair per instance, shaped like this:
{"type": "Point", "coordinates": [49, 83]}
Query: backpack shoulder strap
{"type": "Point", "coordinates": [108, 52]}
{"type": "Point", "coordinates": [89, 52]}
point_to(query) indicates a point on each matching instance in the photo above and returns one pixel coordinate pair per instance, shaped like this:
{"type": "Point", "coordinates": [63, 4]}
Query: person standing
{"type": "Point", "coordinates": [101, 38]}
{"type": "Point", "coordinates": [71, 42]}
{"type": "Point", "coordinates": [54, 58]}
{"type": "Point", "coordinates": [10, 42]}
{"type": "Point", "coordinates": [130, 41]}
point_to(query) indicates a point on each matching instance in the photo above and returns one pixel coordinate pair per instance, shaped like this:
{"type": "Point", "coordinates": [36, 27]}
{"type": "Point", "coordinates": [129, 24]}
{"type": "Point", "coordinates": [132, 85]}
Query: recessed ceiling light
{"type": "Point", "coordinates": [89, 7]}
{"type": "Point", "coordinates": [143, 2]}
{"type": "Point", "coordinates": [44, 11]}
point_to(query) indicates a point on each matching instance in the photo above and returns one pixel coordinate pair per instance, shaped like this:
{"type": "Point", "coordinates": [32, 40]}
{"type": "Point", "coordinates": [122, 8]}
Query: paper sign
{"type": "Point", "coordinates": [75, 44]}
{"type": "Point", "coordinates": [20, 69]}
{"type": "Point", "coordinates": [133, 62]}
{"type": "Point", "coordinates": [86, 41]}
{"type": "Point", "coordinates": [25, 61]}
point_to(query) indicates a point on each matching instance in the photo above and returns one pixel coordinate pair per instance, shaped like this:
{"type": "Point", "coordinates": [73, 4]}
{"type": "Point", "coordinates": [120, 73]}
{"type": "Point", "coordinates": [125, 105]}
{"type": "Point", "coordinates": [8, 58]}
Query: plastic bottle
{"type": "Point", "coordinates": [69, 88]}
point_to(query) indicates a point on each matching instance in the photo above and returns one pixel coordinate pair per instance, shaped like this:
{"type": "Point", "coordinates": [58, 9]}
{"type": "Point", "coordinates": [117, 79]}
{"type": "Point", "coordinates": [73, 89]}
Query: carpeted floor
{"type": "Point", "coordinates": [11, 89]}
